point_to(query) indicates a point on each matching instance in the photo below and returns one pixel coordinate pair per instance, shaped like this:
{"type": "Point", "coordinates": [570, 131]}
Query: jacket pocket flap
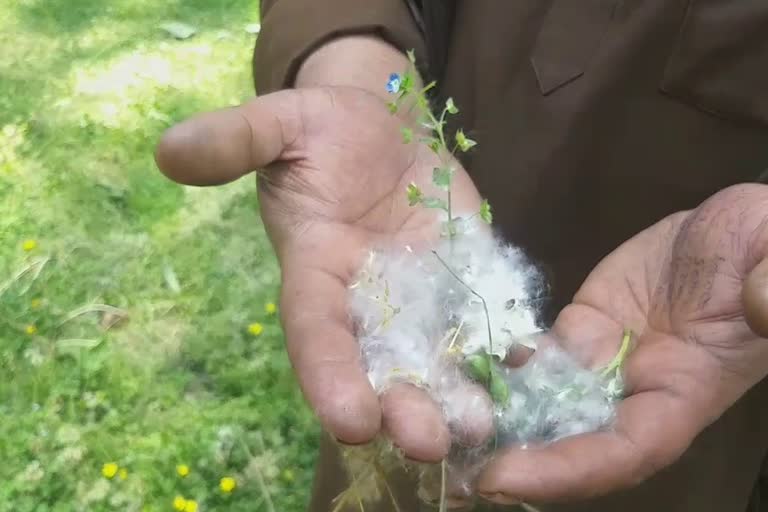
{"type": "Point", "coordinates": [568, 38]}
{"type": "Point", "coordinates": [720, 63]}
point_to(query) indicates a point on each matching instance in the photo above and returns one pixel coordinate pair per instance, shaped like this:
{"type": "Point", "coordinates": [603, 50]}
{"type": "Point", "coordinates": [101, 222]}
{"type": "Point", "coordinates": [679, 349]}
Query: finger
{"type": "Point", "coordinates": [221, 146]}
{"type": "Point", "coordinates": [468, 410]}
{"type": "Point", "coordinates": [518, 355]}
{"type": "Point", "coordinates": [652, 429]}
{"type": "Point", "coordinates": [414, 423]}
{"type": "Point", "coordinates": [425, 431]}
{"type": "Point", "coordinates": [324, 352]}
{"type": "Point", "coordinates": [754, 297]}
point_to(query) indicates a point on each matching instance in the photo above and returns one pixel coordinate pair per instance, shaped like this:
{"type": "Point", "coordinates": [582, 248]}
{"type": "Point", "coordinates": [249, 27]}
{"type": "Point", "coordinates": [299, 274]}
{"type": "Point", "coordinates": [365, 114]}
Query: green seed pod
{"type": "Point", "coordinates": [478, 367]}
{"type": "Point", "coordinates": [498, 388]}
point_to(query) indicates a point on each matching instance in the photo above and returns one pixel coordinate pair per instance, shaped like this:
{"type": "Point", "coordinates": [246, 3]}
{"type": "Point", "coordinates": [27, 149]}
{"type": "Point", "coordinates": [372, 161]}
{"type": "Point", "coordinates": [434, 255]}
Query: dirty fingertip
{"type": "Point", "coordinates": [414, 423]}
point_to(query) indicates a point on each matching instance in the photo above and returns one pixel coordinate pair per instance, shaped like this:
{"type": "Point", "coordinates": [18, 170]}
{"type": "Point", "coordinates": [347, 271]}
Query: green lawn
{"type": "Point", "coordinates": [126, 301]}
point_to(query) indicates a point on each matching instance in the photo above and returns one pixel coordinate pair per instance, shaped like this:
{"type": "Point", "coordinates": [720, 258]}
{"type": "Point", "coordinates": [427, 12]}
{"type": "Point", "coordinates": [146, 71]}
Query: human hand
{"type": "Point", "coordinates": [335, 172]}
{"type": "Point", "coordinates": [695, 288]}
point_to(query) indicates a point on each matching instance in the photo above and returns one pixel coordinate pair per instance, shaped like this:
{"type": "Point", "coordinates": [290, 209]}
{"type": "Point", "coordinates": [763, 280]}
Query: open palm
{"type": "Point", "coordinates": [691, 286]}
{"type": "Point", "coordinates": [332, 186]}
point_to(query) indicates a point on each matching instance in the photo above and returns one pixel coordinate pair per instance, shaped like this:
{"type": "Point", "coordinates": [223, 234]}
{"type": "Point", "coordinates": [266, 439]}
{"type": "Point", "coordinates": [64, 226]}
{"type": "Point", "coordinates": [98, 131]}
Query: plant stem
{"type": "Point", "coordinates": [427, 87]}
{"type": "Point", "coordinates": [442, 487]}
{"type": "Point", "coordinates": [438, 128]}
{"type": "Point", "coordinates": [488, 325]}
{"type": "Point", "coordinates": [485, 305]}
{"type": "Point", "coordinates": [618, 360]}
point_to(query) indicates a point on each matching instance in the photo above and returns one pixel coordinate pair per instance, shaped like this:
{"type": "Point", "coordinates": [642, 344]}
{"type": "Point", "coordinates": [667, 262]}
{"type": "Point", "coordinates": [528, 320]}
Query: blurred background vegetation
{"type": "Point", "coordinates": [141, 358]}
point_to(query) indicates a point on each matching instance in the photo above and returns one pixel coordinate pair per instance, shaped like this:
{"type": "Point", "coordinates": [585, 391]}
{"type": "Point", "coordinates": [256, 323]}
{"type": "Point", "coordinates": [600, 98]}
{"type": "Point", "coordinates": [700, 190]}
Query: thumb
{"type": "Point", "coordinates": [754, 297]}
{"type": "Point", "coordinates": [218, 147]}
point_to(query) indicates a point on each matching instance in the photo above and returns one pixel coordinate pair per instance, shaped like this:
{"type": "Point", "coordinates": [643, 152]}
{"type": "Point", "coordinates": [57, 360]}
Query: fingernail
{"type": "Point", "coordinates": [500, 498]}
{"type": "Point", "coordinates": [349, 444]}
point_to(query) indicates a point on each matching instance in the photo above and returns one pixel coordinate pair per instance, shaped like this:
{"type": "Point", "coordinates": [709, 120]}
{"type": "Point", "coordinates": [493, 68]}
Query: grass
{"type": "Point", "coordinates": [126, 300]}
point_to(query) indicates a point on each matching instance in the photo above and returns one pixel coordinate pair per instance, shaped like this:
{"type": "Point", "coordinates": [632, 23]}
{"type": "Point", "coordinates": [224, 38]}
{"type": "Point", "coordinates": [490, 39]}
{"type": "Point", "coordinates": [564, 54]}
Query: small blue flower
{"type": "Point", "coordinates": [393, 85]}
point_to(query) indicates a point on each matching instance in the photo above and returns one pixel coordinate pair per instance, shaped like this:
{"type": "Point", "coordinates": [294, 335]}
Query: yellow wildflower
{"type": "Point", "coordinates": [190, 506]}
{"type": "Point", "coordinates": [255, 328]}
{"type": "Point", "coordinates": [31, 330]}
{"type": "Point", "coordinates": [270, 308]}
{"type": "Point", "coordinates": [179, 503]}
{"type": "Point", "coordinates": [123, 473]}
{"type": "Point", "coordinates": [288, 475]}
{"type": "Point", "coordinates": [227, 484]}
{"type": "Point", "coordinates": [182, 470]}
{"type": "Point", "coordinates": [109, 470]}
{"type": "Point", "coordinates": [35, 303]}
{"type": "Point", "coordinates": [29, 245]}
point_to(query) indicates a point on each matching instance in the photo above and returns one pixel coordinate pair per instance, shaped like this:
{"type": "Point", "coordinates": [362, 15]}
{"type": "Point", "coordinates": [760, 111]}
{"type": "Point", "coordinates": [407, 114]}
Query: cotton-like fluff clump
{"type": "Point", "coordinates": [502, 276]}
{"type": "Point", "coordinates": [420, 316]}
{"type": "Point", "coordinates": [407, 305]}
{"type": "Point", "coordinates": [553, 397]}
{"type": "Point", "coordinates": [395, 304]}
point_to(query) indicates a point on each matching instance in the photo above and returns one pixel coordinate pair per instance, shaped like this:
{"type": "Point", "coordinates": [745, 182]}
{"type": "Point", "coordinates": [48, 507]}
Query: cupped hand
{"type": "Point", "coordinates": [332, 182]}
{"type": "Point", "coordinates": [695, 289]}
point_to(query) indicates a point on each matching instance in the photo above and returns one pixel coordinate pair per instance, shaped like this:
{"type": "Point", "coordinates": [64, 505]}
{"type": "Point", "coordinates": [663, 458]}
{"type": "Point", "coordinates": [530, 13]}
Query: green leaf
{"type": "Point", "coordinates": [392, 107]}
{"type": "Point", "coordinates": [407, 135]}
{"type": "Point", "coordinates": [178, 29]}
{"type": "Point", "coordinates": [450, 106]}
{"type": "Point", "coordinates": [415, 196]}
{"type": "Point", "coordinates": [411, 56]}
{"type": "Point", "coordinates": [434, 202]}
{"type": "Point", "coordinates": [485, 211]}
{"type": "Point", "coordinates": [406, 85]}
{"type": "Point", "coordinates": [441, 177]}
{"type": "Point", "coordinates": [464, 142]}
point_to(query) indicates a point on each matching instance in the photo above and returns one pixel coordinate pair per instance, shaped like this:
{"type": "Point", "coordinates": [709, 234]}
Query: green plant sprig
{"type": "Point", "coordinates": [437, 141]}
{"type": "Point", "coordinates": [442, 177]}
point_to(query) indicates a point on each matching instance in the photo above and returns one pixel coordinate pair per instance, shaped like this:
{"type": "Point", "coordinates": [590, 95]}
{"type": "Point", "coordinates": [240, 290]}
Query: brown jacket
{"type": "Point", "coordinates": [595, 118]}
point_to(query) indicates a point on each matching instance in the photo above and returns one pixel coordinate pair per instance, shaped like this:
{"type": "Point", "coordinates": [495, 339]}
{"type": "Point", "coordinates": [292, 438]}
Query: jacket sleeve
{"type": "Point", "coordinates": [293, 29]}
